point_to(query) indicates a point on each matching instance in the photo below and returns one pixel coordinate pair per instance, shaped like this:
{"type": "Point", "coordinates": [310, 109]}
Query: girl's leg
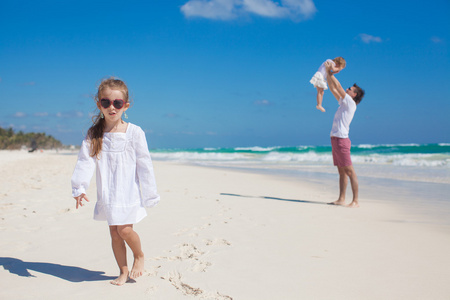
{"type": "Point", "coordinates": [320, 92]}
{"type": "Point", "coordinates": [127, 233]}
{"type": "Point", "coordinates": [120, 253]}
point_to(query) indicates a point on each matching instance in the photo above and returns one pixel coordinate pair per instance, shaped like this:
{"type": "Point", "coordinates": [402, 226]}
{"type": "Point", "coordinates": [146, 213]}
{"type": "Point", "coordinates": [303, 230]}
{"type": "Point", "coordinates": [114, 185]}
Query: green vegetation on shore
{"type": "Point", "coordinates": [10, 140]}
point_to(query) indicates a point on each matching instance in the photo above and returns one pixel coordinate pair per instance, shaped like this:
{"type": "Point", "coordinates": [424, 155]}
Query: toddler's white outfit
{"type": "Point", "coordinates": [125, 178]}
{"type": "Point", "coordinates": [320, 78]}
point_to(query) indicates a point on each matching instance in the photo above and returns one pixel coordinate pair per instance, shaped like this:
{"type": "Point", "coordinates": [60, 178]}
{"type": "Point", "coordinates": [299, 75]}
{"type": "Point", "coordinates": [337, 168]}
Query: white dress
{"type": "Point", "coordinates": [320, 78]}
{"type": "Point", "coordinates": [125, 178]}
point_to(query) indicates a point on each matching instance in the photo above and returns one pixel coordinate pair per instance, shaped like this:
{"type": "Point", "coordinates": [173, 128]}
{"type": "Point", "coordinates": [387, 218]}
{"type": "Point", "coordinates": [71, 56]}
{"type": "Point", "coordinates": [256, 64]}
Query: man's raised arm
{"type": "Point", "coordinates": [333, 83]}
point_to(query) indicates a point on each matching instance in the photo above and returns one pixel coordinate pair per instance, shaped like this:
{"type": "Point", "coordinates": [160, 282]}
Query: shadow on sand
{"type": "Point", "coordinates": [73, 274]}
{"type": "Point", "coordinates": [275, 198]}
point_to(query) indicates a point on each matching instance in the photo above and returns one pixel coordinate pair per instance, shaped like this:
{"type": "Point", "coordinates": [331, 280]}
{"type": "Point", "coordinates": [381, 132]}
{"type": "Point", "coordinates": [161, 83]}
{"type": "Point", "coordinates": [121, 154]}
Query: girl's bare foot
{"type": "Point", "coordinates": [121, 279]}
{"type": "Point", "coordinates": [138, 267]}
{"type": "Point", "coordinates": [319, 107]}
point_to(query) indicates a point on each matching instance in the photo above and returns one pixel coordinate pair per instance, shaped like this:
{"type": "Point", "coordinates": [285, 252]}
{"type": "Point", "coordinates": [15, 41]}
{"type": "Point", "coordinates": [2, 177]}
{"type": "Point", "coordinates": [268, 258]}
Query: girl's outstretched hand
{"type": "Point", "coordinates": [80, 198]}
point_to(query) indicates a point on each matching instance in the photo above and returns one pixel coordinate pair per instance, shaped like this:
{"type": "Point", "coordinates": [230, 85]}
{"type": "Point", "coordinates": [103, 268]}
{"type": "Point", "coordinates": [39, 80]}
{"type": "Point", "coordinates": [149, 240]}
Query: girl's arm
{"type": "Point", "coordinates": [332, 66]}
{"type": "Point", "coordinates": [144, 170]}
{"type": "Point", "coordinates": [335, 70]}
{"type": "Point", "coordinates": [81, 177]}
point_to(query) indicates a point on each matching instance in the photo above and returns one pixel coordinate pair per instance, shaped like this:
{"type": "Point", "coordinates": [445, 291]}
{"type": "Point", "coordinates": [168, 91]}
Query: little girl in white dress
{"type": "Point", "coordinates": [118, 152]}
{"type": "Point", "coordinates": [319, 80]}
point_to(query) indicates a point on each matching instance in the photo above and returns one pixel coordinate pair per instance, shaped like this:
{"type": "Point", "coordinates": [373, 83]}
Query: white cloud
{"type": "Point", "coordinates": [41, 114]}
{"type": "Point", "coordinates": [262, 102]}
{"type": "Point", "coordinates": [63, 129]}
{"type": "Point", "coordinates": [70, 114]}
{"type": "Point", "coordinates": [214, 9]}
{"type": "Point", "coordinates": [16, 127]}
{"type": "Point", "coordinates": [265, 8]}
{"type": "Point", "coordinates": [231, 9]}
{"type": "Point", "coordinates": [20, 114]}
{"type": "Point", "coordinates": [436, 40]}
{"type": "Point", "coordinates": [41, 128]}
{"type": "Point", "coordinates": [367, 38]}
{"type": "Point", "coordinates": [288, 9]}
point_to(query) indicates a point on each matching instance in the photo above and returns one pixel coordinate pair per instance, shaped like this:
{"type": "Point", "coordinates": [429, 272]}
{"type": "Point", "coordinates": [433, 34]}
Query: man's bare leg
{"type": "Point", "coordinates": [134, 242]}
{"type": "Point", "coordinates": [343, 181]}
{"type": "Point", "coordinates": [355, 186]}
{"type": "Point", "coordinates": [120, 253]}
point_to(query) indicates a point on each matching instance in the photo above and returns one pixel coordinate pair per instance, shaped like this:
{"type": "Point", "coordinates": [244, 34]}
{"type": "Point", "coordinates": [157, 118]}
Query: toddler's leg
{"type": "Point", "coordinates": [320, 92]}
{"type": "Point", "coordinates": [134, 242]}
{"type": "Point", "coordinates": [120, 253]}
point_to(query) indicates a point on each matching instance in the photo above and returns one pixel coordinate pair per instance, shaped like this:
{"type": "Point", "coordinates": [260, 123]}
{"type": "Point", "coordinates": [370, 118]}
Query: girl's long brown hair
{"type": "Point", "coordinates": [95, 133]}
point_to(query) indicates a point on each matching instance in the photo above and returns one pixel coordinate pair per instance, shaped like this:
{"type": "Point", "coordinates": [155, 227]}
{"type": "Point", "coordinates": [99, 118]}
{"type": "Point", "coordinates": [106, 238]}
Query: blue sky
{"type": "Point", "coordinates": [227, 73]}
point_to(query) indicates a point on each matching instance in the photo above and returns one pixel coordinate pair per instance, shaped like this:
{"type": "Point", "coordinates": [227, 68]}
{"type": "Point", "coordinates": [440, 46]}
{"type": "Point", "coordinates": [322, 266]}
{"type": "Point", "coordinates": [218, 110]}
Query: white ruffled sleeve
{"type": "Point", "coordinates": [144, 170]}
{"type": "Point", "coordinates": [84, 169]}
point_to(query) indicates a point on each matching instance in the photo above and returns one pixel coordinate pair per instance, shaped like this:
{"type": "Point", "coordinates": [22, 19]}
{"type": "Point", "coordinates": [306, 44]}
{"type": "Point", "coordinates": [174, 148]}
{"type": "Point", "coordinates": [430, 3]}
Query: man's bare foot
{"type": "Point", "coordinates": [337, 202]}
{"type": "Point", "coordinates": [121, 279]}
{"type": "Point", "coordinates": [353, 205]}
{"type": "Point", "coordinates": [319, 107]}
{"type": "Point", "coordinates": [138, 267]}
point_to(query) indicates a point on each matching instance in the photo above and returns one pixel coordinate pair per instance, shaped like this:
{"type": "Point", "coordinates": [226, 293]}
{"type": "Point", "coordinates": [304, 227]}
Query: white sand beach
{"type": "Point", "coordinates": [216, 234]}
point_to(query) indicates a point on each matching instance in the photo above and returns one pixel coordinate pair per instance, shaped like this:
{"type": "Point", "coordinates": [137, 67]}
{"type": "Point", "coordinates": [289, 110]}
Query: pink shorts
{"type": "Point", "coordinates": [341, 151]}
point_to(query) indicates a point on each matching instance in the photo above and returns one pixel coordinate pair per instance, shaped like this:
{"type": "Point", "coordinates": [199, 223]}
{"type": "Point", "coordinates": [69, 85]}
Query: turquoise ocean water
{"type": "Point", "coordinates": [415, 177]}
{"type": "Point", "coordinates": [428, 163]}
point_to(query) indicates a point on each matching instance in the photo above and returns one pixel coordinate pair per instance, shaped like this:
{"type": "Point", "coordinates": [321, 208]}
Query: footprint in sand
{"type": "Point", "coordinates": [192, 230]}
{"type": "Point", "coordinates": [152, 272]}
{"type": "Point", "coordinates": [187, 251]}
{"type": "Point", "coordinates": [215, 242]}
{"type": "Point", "coordinates": [176, 280]}
{"type": "Point", "coordinates": [200, 266]}
{"type": "Point", "coordinates": [67, 210]}
{"type": "Point", "coordinates": [190, 251]}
